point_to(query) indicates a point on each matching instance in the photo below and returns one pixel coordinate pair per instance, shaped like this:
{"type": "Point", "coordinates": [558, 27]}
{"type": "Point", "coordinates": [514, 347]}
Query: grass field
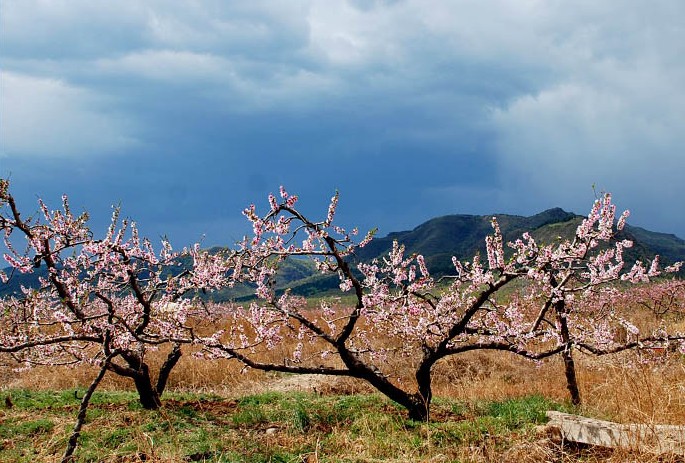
{"type": "Point", "coordinates": [278, 427]}
{"type": "Point", "coordinates": [488, 408]}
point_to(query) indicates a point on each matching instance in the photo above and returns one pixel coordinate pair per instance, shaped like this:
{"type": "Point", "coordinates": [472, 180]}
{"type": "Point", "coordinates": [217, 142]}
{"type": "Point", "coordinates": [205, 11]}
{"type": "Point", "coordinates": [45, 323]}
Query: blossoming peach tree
{"type": "Point", "coordinates": [103, 301]}
{"type": "Point", "coordinates": [399, 310]}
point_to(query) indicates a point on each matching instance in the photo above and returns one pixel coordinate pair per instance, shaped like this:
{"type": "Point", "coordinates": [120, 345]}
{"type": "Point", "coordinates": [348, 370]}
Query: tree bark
{"type": "Point", "coordinates": [420, 411]}
{"type": "Point", "coordinates": [139, 371]}
{"type": "Point", "coordinates": [415, 404]}
{"type": "Point", "coordinates": [148, 395]}
{"type": "Point", "coordinates": [571, 377]}
{"type": "Point", "coordinates": [81, 417]}
{"type": "Point", "coordinates": [567, 355]}
{"type": "Point", "coordinates": [171, 361]}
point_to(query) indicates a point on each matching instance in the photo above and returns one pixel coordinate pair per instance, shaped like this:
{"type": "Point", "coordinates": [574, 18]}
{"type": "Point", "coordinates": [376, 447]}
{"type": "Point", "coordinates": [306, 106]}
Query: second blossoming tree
{"type": "Point", "coordinates": [398, 311]}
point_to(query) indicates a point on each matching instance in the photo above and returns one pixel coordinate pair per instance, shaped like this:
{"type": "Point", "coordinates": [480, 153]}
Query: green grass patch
{"type": "Point", "coordinates": [26, 428]}
{"type": "Point", "coordinates": [268, 427]}
{"type": "Point", "coordinates": [515, 413]}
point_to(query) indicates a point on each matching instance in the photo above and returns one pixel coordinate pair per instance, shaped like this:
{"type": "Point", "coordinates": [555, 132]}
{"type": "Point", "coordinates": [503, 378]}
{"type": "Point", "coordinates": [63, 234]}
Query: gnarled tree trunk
{"type": "Point", "coordinates": [136, 369]}
{"type": "Point", "coordinates": [567, 355]}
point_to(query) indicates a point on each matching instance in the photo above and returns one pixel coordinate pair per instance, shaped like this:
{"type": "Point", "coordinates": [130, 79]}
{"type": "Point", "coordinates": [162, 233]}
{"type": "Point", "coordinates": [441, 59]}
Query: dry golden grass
{"type": "Point", "coordinates": [623, 388]}
{"type": "Point", "coordinates": [612, 388]}
{"type": "Point", "coordinates": [627, 388]}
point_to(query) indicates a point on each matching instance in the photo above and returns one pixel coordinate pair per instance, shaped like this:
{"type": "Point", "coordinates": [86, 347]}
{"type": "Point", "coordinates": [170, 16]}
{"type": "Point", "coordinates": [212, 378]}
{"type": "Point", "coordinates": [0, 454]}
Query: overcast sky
{"type": "Point", "coordinates": [184, 112]}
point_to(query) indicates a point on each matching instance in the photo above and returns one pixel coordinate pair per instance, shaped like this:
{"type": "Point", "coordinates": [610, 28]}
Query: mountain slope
{"type": "Point", "coordinates": [438, 240]}
{"type": "Point", "coordinates": [464, 235]}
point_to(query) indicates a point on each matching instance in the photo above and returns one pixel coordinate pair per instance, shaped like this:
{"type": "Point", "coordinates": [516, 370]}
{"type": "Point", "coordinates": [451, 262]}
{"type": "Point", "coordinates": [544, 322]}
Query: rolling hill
{"type": "Point", "coordinates": [464, 235]}
{"type": "Point", "coordinates": [438, 240]}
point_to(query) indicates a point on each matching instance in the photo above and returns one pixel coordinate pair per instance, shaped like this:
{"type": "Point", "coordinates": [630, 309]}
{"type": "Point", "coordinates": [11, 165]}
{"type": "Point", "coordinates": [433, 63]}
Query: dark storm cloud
{"type": "Point", "coordinates": [185, 112]}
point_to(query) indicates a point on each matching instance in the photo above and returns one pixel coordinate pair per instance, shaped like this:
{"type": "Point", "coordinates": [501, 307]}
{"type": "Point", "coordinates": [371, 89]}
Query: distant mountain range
{"type": "Point", "coordinates": [464, 235]}
{"type": "Point", "coordinates": [443, 237]}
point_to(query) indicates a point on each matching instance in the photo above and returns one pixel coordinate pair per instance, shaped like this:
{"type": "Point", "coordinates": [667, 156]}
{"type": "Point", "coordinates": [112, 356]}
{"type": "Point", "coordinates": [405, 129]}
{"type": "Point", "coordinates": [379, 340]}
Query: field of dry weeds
{"type": "Point", "coordinates": [626, 388]}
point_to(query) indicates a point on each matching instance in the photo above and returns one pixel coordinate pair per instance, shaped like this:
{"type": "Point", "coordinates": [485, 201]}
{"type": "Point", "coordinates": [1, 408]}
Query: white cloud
{"type": "Point", "coordinates": [294, 52]}
{"type": "Point", "coordinates": [237, 83]}
{"type": "Point", "coordinates": [48, 118]}
{"type": "Point", "coordinates": [170, 66]}
{"type": "Point", "coordinates": [616, 125]}
{"type": "Point", "coordinates": [64, 29]}
{"type": "Point", "coordinates": [570, 93]}
{"type": "Point", "coordinates": [237, 27]}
